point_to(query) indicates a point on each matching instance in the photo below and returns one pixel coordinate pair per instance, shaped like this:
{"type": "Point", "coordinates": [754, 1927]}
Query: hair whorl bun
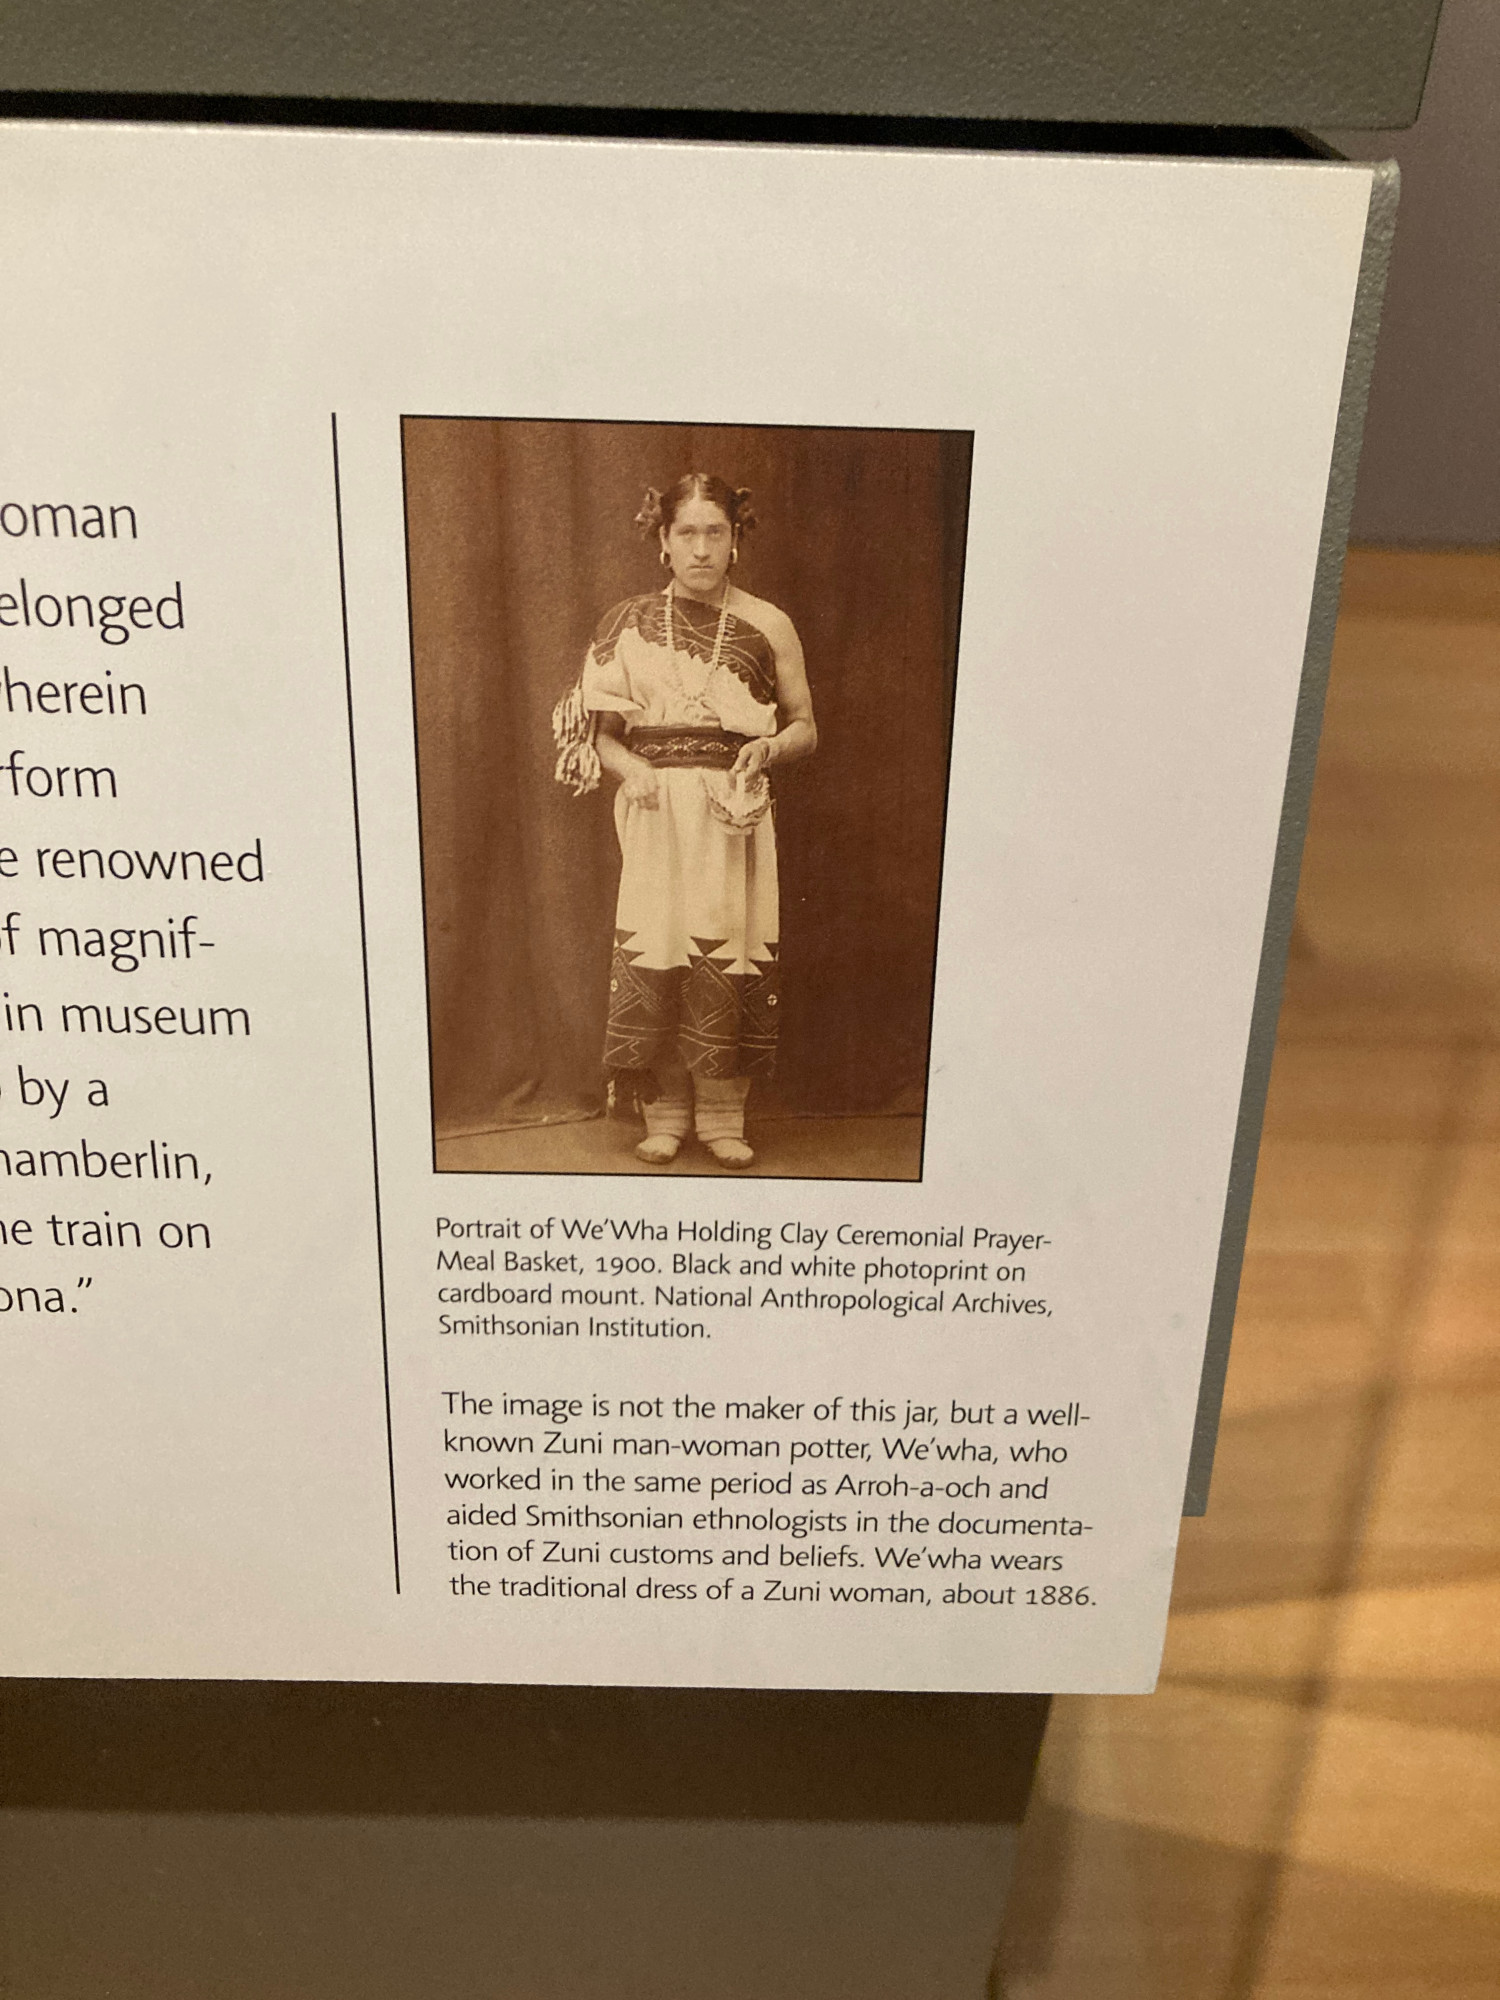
{"type": "Point", "coordinates": [659, 510]}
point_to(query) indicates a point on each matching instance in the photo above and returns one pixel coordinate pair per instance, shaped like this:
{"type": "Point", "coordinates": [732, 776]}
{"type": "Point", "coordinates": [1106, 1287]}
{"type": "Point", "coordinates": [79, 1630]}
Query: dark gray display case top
{"type": "Point", "coordinates": [1345, 63]}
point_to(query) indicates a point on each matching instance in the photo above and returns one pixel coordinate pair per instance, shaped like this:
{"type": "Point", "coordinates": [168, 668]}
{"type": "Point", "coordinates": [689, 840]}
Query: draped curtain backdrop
{"type": "Point", "coordinates": [519, 537]}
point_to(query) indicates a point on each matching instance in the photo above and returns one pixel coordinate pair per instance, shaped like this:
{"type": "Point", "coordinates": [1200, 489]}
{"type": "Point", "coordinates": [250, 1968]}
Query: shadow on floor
{"type": "Point", "coordinates": [801, 1149]}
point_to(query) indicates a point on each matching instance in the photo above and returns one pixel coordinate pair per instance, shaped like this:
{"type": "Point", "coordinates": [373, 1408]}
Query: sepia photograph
{"type": "Point", "coordinates": [684, 702]}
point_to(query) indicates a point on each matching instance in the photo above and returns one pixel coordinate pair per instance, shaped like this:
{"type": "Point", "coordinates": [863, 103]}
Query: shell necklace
{"type": "Point", "coordinates": [693, 697]}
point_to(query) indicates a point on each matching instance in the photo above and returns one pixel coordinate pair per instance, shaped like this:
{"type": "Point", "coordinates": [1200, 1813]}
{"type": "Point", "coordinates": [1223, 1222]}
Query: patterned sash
{"type": "Point", "coordinates": [708, 749]}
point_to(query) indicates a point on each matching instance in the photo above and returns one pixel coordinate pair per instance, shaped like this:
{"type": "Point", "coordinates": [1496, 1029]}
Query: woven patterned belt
{"type": "Point", "coordinates": [715, 749]}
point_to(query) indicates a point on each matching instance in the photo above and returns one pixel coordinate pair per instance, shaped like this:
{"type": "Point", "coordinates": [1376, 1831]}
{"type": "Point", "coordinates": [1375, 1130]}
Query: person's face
{"type": "Point", "coordinates": [699, 545]}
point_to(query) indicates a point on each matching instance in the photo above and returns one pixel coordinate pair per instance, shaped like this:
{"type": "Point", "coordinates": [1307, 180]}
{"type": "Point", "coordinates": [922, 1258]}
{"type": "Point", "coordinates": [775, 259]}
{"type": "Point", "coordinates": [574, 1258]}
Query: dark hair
{"type": "Point", "coordinates": [659, 510]}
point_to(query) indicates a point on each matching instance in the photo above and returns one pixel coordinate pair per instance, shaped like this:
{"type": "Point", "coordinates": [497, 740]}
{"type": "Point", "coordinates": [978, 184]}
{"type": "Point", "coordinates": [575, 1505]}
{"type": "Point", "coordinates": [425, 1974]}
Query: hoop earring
{"type": "Point", "coordinates": [665, 560]}
{"type": "Point", "coordinates": [734, 555]}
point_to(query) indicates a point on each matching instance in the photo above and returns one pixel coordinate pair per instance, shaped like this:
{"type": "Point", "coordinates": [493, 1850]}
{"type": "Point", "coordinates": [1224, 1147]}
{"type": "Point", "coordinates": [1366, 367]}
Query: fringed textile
{"type": "Point", "coordinates": [628, 1091]}
{"type": "Point", "coordinates": [573, 731]}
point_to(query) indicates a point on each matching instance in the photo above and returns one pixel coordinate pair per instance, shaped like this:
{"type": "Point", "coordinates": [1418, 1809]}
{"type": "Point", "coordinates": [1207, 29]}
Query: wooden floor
{"type": "Point", "coordinates": [1309, 1807]}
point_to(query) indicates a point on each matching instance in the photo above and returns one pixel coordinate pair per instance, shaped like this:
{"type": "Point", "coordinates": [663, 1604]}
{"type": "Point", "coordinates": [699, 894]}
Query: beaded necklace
{"type": "Point", "coordinates": [674, 671]}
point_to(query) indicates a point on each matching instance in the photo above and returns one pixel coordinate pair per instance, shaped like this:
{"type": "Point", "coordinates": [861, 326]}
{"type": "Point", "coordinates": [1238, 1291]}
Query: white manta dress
{"type": "Point", "coordinates": [694, 978]}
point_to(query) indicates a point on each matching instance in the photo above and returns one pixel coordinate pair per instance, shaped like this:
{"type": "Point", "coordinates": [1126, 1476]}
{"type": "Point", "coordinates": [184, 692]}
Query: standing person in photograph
{"type": "Point", "coordinates": [688, 696]}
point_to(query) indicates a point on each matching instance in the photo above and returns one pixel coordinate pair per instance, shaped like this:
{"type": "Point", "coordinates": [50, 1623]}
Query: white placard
{"type": "Point", "coordinates": [336, 1343]}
